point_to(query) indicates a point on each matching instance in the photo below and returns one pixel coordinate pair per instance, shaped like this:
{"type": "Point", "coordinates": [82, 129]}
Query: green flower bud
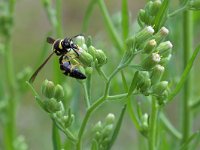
{"type": "Point", "coordinates": [110, 118]}
{"type": "Point", "coordinates": [157, 73]}
{"type": "Point", "coordinates": [58, 92]}
{"type": "Point", "coordinates": [164, 48]}
{"type": "Point", "coordinates": [98, 136]}
{"type": "Point", "coordinates": [105, 142]}
{"type": "Point", "coordinates": [160, 87]}
{"type": "Point", "coordinates": [130, 44]}
{"type": "Point", "coordinates": [162, 98]}
{"type": "Point", "coordinates": [101, 58]}
{"type": "Point", "coordinates": [144, 87]}
{"type": "Point", "coordinates": [107, 130]}
{"type": "Point", "coordinates": [97, 127]}
{"type": "Point", "coordinates": [165, 60]}
{"type": "Point", "coordinates": [154, 7]}
{"type": "Point", "coordinates": [150, 45]}
{"type": "Point", "coordinates": [59, 114]}
{"type": "Point", "coordinates": [151, 61]}
{"type": "Point", "coordinates": [92, 51]}
{"type": "Point", "coordinates": [144, 34]}
{"type": "Point", "coordinates": [52, 105]}
{"type": "Point", "coordinates": [80, 40]}
{"type": "Point", "coordinates": [48, 89]}
{"type": "Point", "coordinates": [85, 58]}
{"type": "Point", "coordinates": [161, 34]}
{"type": "Point", "coordinates": [88, 70]}
{"type": "Point", "coordinates": [143, 81]}
{"type": "Point", "coordinates": [142, 15]}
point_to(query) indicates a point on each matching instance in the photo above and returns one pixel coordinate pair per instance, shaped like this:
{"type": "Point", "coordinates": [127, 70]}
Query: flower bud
{"type": "Point", "coordinates": [85, 58]}
{"type": "Point", "coordinates": [160, 87]}
{"type": "Point", "coordinates": [165, 60]}
{"type": "Point", "coordinates": [101, 58]}
{"type": "Point", "coordinates": [92, 51]}
{"type": "Point", "coordinates": [151, 61]}
{"type": "Point", "coordinates": [110, 118]}
{"type": "Point", "coordinates": [107, 130]}
{"type": "Point", "coordinates": [150, 45]}
{"type": "Point", "coordinates": [130, 44]}
{"type": "Point", "coordinates": [51, 105]}
{"type": "Point", "coordinates": [154, 7]}
{"type": "Point", "coordinates": [48, 89]}
{"type": "Point", "coordinates": [161, 34]}
{"type": "Point", "coordinates": [145, 87]}
{"type": "Point", "coordinates": [143, 81]}
{"type": "Point", "coordinates": [88, 70]}
{"type": "Point", "coordinates": [58, 92]}
{"type": "Point", "coordinates": [144, 34]}
{"type": "Point", "coordinates": [97, 127]}
{"type": "Point", "coordinates": [80, 40]}
{"type": "Point", "coordinates": [157, 73]}
{"type": "Point", "coordinates": [142, 15]}
{"type": "Point", "coordinates": [164, 48]}
{"type": "Point", "coordinates": [162, 98]}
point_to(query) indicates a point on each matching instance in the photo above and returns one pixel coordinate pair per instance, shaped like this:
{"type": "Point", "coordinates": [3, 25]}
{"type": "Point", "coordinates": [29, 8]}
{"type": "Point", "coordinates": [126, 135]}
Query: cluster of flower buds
{"type": "Point", "coordinates": [103, 132]}
{"type": "Point", "coordinates": [157, 53]}
{"type": "Point", "coordinates": [53, 104]}
{"type": "Point", "coordinates": [89, 55]}
{"type": "Point", "coordinates": [147, 15]}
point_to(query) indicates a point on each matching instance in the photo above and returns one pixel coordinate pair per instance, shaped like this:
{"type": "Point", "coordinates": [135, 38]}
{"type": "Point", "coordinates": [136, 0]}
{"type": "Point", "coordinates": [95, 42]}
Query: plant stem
{"type": "Point", "coordinates": [187, 45]}
{"type": "Point", "coordinates": [10, 126]}
{"type": "Point", "coordinates": [153, 124]}
{"type": "Point", "coordinates": [87, 101]}
{"type": "Point", "coordinates": [111, 29]}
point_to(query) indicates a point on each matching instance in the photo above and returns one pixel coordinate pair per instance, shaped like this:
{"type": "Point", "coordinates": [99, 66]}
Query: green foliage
{"type": "Point", "coordinates": [142, 73]}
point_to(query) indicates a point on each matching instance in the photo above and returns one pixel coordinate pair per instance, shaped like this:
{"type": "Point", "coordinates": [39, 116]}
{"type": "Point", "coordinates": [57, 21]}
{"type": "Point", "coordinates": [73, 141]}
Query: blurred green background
{"type": "Point", "coordinates": [31, 28]}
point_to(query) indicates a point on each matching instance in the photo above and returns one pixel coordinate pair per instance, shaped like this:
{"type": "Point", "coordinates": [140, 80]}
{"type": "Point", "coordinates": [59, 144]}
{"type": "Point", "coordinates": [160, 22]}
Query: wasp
{"type": "Point", "coordinates": [62, 48]}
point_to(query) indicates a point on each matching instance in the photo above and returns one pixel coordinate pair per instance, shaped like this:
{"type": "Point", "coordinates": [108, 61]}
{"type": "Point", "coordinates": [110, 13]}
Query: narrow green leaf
{"type": "Point", "coordinates": [161, 15]}
{"type": "Point", "coordinates": [184, 75]}
{"type": "Point", "coordinates": [117, 128]}
{"type": "Point", "coordinates": [124, 81]}
{"type": "Point", "coordinates": [191, 138]}
{"type": "Point", "coordinates": [133, 84]}
{"type": "Point", "coordinates": [125, 19]}
{"type": "Point", "coordinates": [88, 14]}
{"type": "Point", "coordinates": [195, 104]}
{"type": "Point", "coordinates": [56, 138]}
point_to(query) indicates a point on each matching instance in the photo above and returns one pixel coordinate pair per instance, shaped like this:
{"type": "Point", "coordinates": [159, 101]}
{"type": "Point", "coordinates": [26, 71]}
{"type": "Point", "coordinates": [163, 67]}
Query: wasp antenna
{"type": "Point", "coordinates": [31, 80]}
{"type": "Point", "coordinates": [50, 40]}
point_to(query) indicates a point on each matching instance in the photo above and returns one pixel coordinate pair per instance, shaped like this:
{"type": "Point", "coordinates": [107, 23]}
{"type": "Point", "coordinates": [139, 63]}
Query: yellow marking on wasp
{"type": "Point", "coordinates": [60, 45]}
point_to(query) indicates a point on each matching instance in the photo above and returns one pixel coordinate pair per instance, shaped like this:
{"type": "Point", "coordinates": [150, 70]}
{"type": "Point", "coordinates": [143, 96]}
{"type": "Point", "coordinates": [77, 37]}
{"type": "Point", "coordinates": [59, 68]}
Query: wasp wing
{"type": "Point", "coordinates": [31, 80]}
{"type": "Point", "coordinates": [50, 40]}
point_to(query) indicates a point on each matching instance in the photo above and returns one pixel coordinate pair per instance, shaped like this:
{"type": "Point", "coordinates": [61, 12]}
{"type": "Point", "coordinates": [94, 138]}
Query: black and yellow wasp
{"type": "Point", "coordinates": [62, 47]}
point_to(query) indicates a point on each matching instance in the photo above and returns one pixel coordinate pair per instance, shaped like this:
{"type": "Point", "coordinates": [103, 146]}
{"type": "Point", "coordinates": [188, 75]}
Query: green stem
{"type": "Point", "coordinates": [153, 125]}
{"type": "Point", "coordinates": [187, 41]}
{"type": "Point", "coordinates": [10, 126]}
{"type": "Point", "coordinates": [86, 118]}
{"type": "Point", "coordinates": [111, 29]}
{"type": "Point", "coordinates": [87, 100]}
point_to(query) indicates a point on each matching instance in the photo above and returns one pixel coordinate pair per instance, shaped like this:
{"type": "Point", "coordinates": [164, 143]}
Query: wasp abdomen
{"type": "Point", "coordinates": [72, 72]}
